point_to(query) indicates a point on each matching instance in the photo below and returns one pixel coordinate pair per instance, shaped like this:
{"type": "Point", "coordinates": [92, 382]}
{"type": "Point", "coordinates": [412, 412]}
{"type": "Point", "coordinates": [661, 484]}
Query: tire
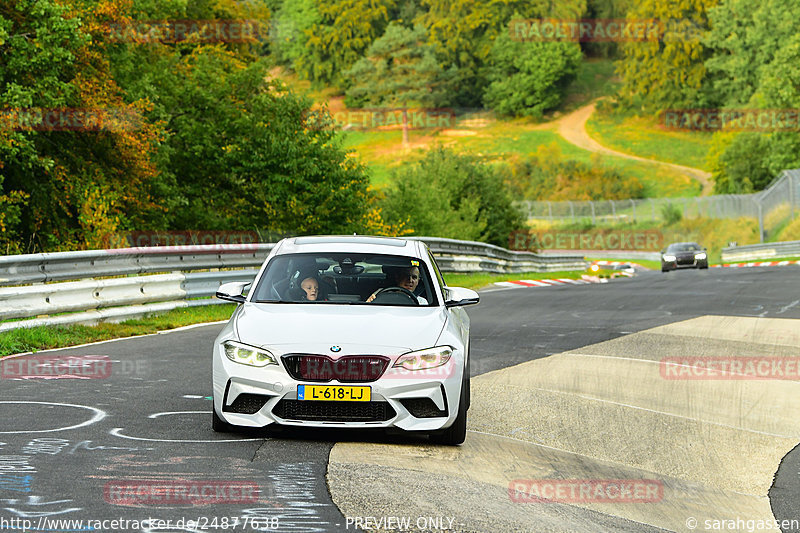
{"type": "Point", "coordinates": [218, 424]}
{"type": "Point", "coordinates": [457, 433]}
{"type": "Point", "coordinates": [664, 269]}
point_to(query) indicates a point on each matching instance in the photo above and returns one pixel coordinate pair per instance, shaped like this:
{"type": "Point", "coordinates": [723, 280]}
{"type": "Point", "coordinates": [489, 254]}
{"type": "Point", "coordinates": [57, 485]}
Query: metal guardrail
{"type": "Point", "coordinates": [61, 266]}
{"type": "Point", "coordinates": [44, 284]}
{"type": "Point", "coordinates": [761, 251]}
{"type": "Point", "coordinates": [470, 256]}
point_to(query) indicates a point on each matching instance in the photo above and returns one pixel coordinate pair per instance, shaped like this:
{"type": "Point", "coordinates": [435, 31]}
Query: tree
{"type": "Point", "coordinates": [454, 196]}
{"type": "Point", "coordinates": [291, 24]}
{"type": "Point", "coordinates": [464, 31]}
{"type": "Point", "coordinates": [344, 32]}
{"type": "Point", "coordinates": [668, 72]}
{"type": "Point", "coordinates": [529, 78]}
{"type": "Point", "coordinates": [69, 187]}
{"type": "Point", "coordinates": [399, 69]}
{"type": "Point", "coordinates": [755, 65]}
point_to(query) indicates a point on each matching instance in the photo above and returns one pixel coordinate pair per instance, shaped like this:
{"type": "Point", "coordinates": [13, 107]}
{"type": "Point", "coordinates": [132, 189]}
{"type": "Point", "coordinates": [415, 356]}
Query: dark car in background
{"type": "Point", "coordinates": [683, 255]}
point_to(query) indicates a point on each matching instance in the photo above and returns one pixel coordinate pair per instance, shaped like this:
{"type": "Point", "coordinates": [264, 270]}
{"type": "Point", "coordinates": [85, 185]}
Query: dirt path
{"type": "Point", "coordinates": [573, 128]}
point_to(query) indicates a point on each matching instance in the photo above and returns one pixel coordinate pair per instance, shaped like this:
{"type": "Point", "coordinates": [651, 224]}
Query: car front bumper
{"type": "Point", "coordinates": [268, 395]}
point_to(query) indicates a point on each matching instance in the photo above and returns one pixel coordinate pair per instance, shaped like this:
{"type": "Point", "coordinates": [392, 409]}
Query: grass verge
{"type": "Point", "coordinates": [652, 265]}
{"type": "Point", "coordinates": [642, 136]}
{"type": "Point", "coordinates": [48, 337]}
{"type": "Point", "coordinates": [479, 280]}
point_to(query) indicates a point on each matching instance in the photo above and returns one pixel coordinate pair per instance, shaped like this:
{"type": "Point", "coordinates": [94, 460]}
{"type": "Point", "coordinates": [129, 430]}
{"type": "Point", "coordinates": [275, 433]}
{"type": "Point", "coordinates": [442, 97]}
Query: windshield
{"type": "Point", "coordinates": [684, 247]}
{"type": "Point", "coordinates": [371, 279]}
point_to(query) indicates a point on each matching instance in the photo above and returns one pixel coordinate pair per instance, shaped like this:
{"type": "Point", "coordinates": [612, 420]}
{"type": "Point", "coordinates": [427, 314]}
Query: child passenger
{"type": "Point", "coordinates": [310, 287]}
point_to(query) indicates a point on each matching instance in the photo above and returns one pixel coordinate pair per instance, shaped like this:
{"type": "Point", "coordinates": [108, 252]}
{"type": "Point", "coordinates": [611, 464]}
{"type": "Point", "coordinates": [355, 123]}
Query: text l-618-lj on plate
{"type": "Point", "coordinates": [334, 393]}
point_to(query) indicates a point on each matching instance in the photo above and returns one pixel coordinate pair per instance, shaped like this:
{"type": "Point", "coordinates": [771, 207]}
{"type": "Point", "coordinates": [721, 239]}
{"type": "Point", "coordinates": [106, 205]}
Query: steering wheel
{"type": "Point", "coordinates": [397, 290]}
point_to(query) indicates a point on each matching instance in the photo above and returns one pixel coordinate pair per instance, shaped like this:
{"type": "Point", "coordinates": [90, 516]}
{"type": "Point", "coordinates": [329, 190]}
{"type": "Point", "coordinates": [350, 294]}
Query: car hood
{"type": "Point", "coordinates": [314, 328]}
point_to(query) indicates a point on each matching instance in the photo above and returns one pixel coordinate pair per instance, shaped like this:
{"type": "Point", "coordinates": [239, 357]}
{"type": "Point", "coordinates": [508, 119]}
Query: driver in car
{"type": "Point", "coordinates": [407, 278]}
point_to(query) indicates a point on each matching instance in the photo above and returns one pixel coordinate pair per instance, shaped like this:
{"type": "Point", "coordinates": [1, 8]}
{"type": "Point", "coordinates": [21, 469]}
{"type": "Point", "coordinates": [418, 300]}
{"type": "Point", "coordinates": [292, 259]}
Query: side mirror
{"type": "Point", "coordinates": [232, 291]}
{"type": "Point", "coordinates": [457, 296]}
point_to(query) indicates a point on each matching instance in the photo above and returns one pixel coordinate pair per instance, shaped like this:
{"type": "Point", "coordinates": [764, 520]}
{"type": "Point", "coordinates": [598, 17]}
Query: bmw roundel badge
{"type": "Point", "coordinates": [336, 349]}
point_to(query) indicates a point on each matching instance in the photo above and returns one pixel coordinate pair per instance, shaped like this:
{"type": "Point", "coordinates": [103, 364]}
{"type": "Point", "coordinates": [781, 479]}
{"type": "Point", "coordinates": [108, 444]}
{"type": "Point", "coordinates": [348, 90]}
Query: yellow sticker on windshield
{"type": "Point", "coordinates": [414, 263]}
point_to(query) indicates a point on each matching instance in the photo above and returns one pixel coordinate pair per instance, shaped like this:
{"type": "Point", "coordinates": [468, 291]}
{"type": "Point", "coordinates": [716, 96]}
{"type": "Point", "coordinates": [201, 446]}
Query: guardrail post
{"type": "Point", "coordinates": [613, 210]}
{"type": "Point", "coordinates": [550, 210]}
{"type": "Point", "coordinates": [633, 205]}
{"type": "Point", "coordinates": [760, 222]}
{"type": "Point", "coordinates": [571, 210]}
{"type": "Point", "coordinates": [591, 204]}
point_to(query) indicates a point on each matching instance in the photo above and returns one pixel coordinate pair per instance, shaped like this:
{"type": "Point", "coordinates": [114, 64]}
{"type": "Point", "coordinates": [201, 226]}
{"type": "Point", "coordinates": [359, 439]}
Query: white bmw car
{"type": "Point", "coordinates": [346, 332]}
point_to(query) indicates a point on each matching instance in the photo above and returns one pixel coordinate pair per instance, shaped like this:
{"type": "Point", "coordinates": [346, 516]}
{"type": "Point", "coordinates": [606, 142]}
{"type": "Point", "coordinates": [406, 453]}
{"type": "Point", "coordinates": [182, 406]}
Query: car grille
{"type": "Point", "coordinates": [346, 369]}
{"type": "Point", "coordinates": [247, 404]}
{"type": "Point", "coordinates": [423, 408]}
{"type": "Point", "coordinates": [685, 259]}
{"type": "Point", "coordinates": [334, 411]}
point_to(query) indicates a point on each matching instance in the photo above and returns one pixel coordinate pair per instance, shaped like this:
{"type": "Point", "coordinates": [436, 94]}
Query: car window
{"type": "Point", "coordinates": [341, 278]}
{"type": "Point", "coordinates": [436, 270]}
{"type": "Point", "coordinates": [684, 247]}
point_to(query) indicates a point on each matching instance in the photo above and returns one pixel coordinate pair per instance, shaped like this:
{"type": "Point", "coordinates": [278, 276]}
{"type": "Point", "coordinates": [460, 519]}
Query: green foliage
{"type": "Point", "coordinates": [547, 175]}
{"type": "Point", "coordinates": [671, 214]}
{"type": "Point", "coordinates": [668, 72]}
{"type": "Point", "coordinates": [399, 69]}
{"type": "Point", "coordinates": [529, 78]}
{"type": "Point", "coordinates": [52, 56]}
{"type": "Point", "coordinates": [294, 20]}
{"type": "Point", "coordinates": [745, 38]}
{"type": "Point", "coordinates": [345, 30]}
{"type": "Point", "coordinates": [454, 196]}
{"type": "Point", "coordinates": [463, 33]}
{"type": "Point", "coordinates": [261, 167]}
{"type": "Point", "coordinates": [756, 65]}
{"type": "Point", "coordinates": [605, 9]}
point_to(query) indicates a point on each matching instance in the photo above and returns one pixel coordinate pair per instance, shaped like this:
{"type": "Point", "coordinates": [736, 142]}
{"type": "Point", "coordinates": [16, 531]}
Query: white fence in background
{"type": "Point", "coordinates": [772, 207]}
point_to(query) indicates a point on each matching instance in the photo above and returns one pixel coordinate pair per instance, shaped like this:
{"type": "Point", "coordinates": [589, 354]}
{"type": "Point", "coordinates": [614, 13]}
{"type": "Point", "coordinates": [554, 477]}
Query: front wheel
{"type": "Point", "coordinates": [457, 433]}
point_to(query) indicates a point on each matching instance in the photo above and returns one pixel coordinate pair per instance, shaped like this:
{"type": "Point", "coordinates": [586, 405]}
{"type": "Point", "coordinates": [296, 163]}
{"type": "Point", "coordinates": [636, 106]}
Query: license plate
{"type": "Point", "coordinates": [334, 393]}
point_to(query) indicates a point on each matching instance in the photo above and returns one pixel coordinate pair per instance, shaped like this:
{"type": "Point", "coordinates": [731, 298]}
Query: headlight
{"type": "Point", "coordinates": [669, 258]}
{"type": "Point", "coordinates": [248, 355]}
{"type": "Point", "coordinates": [701, 255]}
{"type": "Point", "coordinates": [423, 359]}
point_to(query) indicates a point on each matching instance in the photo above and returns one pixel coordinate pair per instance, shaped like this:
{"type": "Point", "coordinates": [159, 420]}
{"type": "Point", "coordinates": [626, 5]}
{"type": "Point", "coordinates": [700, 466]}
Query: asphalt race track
{"type": "Point", "coordinates": [569, 383]}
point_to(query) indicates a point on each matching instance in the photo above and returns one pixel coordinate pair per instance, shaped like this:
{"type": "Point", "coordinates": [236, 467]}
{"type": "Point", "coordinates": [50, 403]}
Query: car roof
{"type": "Point", "coordinates": [349, 243]}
